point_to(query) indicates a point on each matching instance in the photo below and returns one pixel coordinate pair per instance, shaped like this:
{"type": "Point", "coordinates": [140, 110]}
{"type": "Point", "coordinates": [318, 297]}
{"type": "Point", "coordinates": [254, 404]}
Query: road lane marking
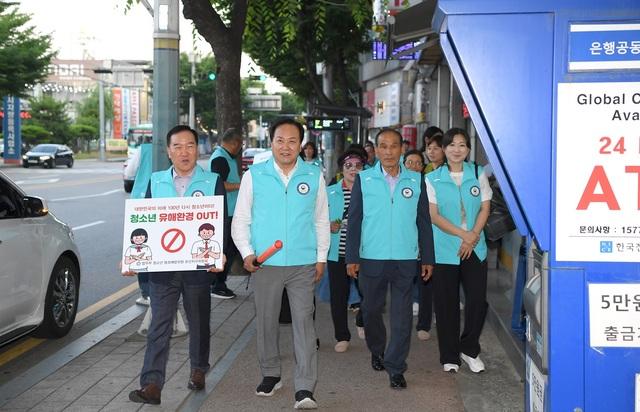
{"type": "Point", "coordinates": [35, 181]}
{"type": "Point", "coordinates": [18, 350]}
{"type": "Point", "coordinates": [86, 312]}
{"type": "Point", "coordinates": [77, 182]}
{"type": "Point", "coordinates": [31, 343]}
{"type": "Point", "coordinates": [98, 222]}
{"type": "Point", "coordinates": [62, 199]}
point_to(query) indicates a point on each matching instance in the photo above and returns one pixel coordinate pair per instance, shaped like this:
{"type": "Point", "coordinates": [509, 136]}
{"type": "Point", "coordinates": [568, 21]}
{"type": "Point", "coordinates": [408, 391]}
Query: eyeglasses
{"type": "Point", "coordinates": [356, 165]}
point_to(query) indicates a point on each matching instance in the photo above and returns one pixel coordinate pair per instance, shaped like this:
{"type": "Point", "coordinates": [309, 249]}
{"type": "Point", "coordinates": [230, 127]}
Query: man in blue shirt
{"type": "Point", "coordinates": [389, 228]}
{"type": "Point", "coordinates": [184, 178]}
{"type": "Point", "coordinates": [284, 199]}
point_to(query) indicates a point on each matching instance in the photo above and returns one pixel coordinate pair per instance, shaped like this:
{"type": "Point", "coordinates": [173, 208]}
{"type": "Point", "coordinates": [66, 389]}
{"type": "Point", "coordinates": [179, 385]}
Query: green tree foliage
{"type": "Point", "coordinates": [24, 55]}
{"type": "Point", "coordinates": [88, 111]}
{"type": "Point", "coordinates": [51, 115]}
{"type": "Point", "coordinates": [288, 37]}
{"type": "Point", "coordinates": [33, 134]}
{"type": "Point", "coordinates": [203, 89]}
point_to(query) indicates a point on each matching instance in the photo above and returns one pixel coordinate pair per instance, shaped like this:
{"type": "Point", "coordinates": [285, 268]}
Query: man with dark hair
{"type": "Point", "coordinates": [223, 161]}
{"type": "Point", "coordinates": [286, 121]}
{"type": "Point", "coordinates": [184, 178]}
{"type": "Point", "coordinates": [388, 230]}
{"type": "Point", "coordinates": [284, 199]}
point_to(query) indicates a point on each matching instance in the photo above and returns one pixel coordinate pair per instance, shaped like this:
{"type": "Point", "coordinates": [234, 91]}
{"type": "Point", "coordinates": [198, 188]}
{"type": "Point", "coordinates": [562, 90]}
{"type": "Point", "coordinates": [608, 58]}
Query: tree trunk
{"type": "Point", "coordinates": [226, 43]}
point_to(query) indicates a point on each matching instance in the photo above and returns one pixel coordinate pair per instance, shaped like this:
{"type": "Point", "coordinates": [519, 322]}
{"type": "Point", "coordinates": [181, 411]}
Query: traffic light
{"type": "Point", "coordinates": [256, 77]}
{"type": "Point", "coordinates": [211, 76]}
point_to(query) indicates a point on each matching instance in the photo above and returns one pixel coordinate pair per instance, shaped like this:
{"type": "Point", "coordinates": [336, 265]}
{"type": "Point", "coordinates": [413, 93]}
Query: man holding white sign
{"type": "Point", "coordinates": [184, 179]}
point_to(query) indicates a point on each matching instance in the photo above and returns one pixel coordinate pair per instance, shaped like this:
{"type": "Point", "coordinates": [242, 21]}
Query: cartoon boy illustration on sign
{"type": "Point", "coordinates": [138, 255]}
{"type": "Point", "coordinates": [207, 250]}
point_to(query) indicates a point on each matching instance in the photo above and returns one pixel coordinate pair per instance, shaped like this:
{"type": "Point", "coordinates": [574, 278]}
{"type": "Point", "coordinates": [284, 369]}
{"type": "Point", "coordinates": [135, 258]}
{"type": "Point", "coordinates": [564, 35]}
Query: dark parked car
{"type": "Point", "coordinates": [48, 155]}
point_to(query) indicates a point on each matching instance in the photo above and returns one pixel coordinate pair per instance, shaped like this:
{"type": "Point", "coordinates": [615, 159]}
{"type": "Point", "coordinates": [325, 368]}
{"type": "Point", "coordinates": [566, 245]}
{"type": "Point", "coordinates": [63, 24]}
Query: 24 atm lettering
{"type": "Point", "coordinates": [599, 178]}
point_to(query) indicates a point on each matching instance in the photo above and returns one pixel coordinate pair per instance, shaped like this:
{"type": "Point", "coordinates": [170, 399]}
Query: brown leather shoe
{"type": "Point", "coordinates": [196, 381]}
{"type": "Point", "coordinates": [147, 394]}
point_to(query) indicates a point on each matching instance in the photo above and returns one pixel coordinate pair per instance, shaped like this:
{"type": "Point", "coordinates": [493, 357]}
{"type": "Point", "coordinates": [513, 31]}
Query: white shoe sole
{"type": "Point", "coordinates": [469, 361]}
{"type": "Point", "coordinates": [451, 368]}
{"type": "Point", "coordinates": [215, 295]}
{"type": "Point", "coordinates": [306, 403]}
{"type": "Point", "coordinates": [275, 388]}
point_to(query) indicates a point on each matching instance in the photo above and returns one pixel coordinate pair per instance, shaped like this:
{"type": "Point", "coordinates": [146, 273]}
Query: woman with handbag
{"type": "Point", "coordinates": [459, 207]}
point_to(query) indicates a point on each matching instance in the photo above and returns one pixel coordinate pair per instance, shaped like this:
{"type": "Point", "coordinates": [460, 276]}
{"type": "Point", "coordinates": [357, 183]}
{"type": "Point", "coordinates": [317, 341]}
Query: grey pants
{"type": "Point", "coordinates": [268, 284]}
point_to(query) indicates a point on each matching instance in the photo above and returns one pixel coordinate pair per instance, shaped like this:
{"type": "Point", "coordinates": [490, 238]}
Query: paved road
{"type": "Point", "coordinates": [89, 198]}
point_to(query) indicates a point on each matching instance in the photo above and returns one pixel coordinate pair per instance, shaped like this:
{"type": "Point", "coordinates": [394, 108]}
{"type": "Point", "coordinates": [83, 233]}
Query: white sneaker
{"type": "Point", "coordinates": [416, 308]}
{"type": "Point", "coordinates": [475, 364]}
{"type": "Point", "coordinates": [342, 346]}
{"type": "Point", "coordinates": [424, 335]}
{"type": "Point", "coordinates": [360, 330]}
{"type": "Point", "coordinates": [143, 301]}
{"type": "Point", "coordinates": [450, 367]}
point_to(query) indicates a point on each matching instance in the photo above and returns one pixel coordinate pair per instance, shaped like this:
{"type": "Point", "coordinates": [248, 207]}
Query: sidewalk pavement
{"type": "Point", "coordinates": [101, 377]}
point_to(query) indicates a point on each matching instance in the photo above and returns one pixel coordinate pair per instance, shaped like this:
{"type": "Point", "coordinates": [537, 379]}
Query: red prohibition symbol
{"type": "Point", "coordinates": [173, 240]}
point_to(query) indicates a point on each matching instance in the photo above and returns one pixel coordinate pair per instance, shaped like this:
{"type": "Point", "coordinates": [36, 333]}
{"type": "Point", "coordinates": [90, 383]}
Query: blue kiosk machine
{"type": "Point", "coordinates": [553, 89]}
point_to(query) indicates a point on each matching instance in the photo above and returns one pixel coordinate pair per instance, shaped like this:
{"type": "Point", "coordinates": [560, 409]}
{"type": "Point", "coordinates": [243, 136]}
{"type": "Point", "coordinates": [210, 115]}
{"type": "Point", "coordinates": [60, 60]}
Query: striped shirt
{"type": "Point", "coordinates": [343, 225]}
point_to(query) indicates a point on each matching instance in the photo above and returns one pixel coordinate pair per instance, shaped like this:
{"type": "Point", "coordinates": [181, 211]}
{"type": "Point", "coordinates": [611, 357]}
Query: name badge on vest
{"type": "Point", "coordinates": [407, 192]}
{"type": "Point", "coordinates": [303, 188]}
{"type": "Point", "coordinates": [197, 193]}
{"type": "Point", "coordinates": [475, 191]}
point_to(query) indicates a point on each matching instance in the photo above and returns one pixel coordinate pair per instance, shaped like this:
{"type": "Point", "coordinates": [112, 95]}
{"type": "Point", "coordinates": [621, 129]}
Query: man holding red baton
{"type": "Point", "coordinates": [284, 199]}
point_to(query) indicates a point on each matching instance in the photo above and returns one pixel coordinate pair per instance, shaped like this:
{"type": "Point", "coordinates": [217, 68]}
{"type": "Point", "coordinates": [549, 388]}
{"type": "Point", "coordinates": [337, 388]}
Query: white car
{"type": "Point", "coordinates": [39, 268]}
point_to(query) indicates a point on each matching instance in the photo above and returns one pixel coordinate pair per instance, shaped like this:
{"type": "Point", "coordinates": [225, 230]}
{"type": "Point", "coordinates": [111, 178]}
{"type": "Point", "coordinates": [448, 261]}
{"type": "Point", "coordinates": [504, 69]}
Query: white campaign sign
{"type": "Point", "coordinates": [173, 234]}
{"type": "Point", "coordinates": [598, 172]}
{"type": "Point", "coordinates": [614, 314]}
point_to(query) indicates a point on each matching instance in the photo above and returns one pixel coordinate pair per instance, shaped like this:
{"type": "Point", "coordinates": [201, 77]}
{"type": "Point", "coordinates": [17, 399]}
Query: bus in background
{"type": "Point", "coordinates": [137, 135]}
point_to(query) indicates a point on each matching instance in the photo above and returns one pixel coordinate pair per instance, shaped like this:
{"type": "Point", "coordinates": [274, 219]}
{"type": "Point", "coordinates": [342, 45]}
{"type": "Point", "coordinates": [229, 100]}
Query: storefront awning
{"type": "Point", "coordinates": [414, 24]}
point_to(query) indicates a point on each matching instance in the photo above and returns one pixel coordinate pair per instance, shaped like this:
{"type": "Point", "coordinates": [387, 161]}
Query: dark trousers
{"type": "Point", "coordinates": [339, 288]}
{"type": "Point", "coordinates": [376, 276]}
{"type": "Point", "coordinates": [143, 283]}
{"type": "Point", "coordinates": [230, 250]}
{"type": "Point", "coordinates": [425, 300]}
{"type": "Point", "coordinates": [472, 275]}
{"type": "Point", "coordinates": [164, 303]}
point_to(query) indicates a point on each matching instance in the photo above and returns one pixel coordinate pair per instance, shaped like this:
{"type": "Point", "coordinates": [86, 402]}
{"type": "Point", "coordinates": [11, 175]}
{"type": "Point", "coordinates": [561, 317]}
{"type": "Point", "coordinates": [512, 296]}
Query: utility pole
{"type": "Point", "coordinates": [328, 136]}
{"type": "Point", "coordinates": [166, 54]}
{"type": "Point", "coordinates": [192, 99]}
{"type": "Point", "coordinates": [102, 143]}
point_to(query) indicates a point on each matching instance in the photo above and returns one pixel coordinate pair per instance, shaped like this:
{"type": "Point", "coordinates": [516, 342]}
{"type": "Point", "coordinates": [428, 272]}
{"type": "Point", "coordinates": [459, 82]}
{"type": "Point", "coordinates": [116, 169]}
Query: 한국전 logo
{"type": "Point", "coordinates": [475, 191]}
{"type": "Point", "coordinates": [197, 193]}
{"type": "Point", "coordinates": [303, 188]}
{"type": "Point", "coordinates": [407, 192]}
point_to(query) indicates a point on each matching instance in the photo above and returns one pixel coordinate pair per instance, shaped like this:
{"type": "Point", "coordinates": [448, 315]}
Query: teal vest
{"type": "Point", "coordinates": [203, 183]}
{"type": "Point", "coordinates": [448, 195]}
{"type": "Point", "coordinates": [389, 230]}
{"type": "Point", "coordinates": [234, 177]}
{"type": "Point", "coordinates": [335, 196]}
{"type": "Point", "coordinates": [143, 174]}
{"type": "Point", "coordinates": [286, 214]}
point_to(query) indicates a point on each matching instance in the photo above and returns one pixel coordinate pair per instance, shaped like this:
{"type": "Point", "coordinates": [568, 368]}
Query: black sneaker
{"type": "Point", "coordinates": [304, 400]}
{"type": "Point", "coordinates": [269, 386]}
{"type": "Point", "coordinates": [223, 293]}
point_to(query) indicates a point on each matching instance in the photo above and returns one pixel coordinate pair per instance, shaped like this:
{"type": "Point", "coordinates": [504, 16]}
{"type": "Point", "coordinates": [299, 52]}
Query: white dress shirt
{"type": "Point", "coordinates": [241, 224]}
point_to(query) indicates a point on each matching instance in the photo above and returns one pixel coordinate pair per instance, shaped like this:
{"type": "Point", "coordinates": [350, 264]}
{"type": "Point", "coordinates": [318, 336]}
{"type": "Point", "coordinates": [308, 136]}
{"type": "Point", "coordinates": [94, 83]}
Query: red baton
{"type": "Point", "coordinates": [277, 245]}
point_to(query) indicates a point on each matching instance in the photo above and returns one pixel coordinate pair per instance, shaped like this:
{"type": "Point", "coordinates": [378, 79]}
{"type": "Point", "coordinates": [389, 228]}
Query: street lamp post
{"type": "Point", "coordinates": [102, 142]}
{"type": "Point", "coordinates": [165, 77]}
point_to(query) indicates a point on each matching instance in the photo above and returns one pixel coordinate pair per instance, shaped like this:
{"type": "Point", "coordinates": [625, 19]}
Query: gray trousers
{"type": "Point", "coordinates": [376, 276]}
{"type": "Point", "coordinates": [268, 284]}
{"type": "Point", "coordinates": [164, 303]}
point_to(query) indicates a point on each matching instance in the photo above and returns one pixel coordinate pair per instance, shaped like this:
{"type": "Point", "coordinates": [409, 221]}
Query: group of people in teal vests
{"type": "Point", "coordinates": [388, 228]}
